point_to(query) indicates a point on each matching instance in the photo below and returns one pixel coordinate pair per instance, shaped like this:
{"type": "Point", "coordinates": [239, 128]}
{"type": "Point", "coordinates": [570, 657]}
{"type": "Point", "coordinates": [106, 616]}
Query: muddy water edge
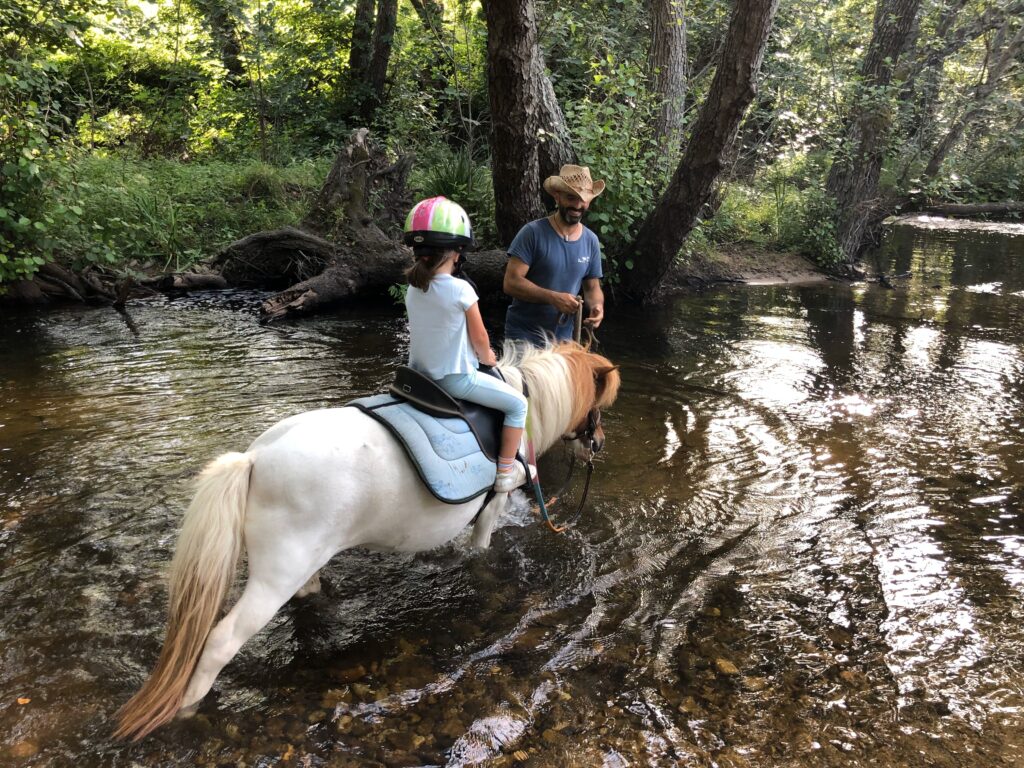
{"type": "Point", "coordinates": [803, 545]}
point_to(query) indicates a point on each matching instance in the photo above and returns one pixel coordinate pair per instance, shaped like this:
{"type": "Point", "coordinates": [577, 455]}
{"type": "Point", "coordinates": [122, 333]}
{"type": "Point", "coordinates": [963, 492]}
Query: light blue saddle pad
{"type": "Point", "coordinates": [444, 451]}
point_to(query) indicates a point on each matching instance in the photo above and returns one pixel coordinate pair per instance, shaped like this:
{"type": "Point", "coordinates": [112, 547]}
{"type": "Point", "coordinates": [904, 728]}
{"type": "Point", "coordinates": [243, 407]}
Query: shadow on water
{"type": "Point", "coordinates": [803, 545]}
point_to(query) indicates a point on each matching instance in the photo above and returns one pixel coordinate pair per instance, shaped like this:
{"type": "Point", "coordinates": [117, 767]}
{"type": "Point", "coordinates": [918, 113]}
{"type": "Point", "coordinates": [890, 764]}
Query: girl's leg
{"type": "Point", "coordinates": [490, 391]}
{"type": "Point", "coordinates": [494, 393]}
{"type": "Point", "coordinates": [511, 437]}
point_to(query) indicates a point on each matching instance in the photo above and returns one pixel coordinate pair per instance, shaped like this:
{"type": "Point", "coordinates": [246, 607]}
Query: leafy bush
{"type": "Point", "coordinates": [819, 229]}
{"type": "Point", "coordinates": [29, 120]}
{"type": "Point", "coordinates": [457, 176]}
{"type": "Point", "coordinates": [774, 214]}
{"type": "Point", "coordinates": [611, 133]}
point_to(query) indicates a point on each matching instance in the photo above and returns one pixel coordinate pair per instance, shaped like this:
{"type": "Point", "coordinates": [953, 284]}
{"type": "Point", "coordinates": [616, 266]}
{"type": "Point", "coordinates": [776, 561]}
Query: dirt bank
{"type": "Point", "coordinates": [747, 263]}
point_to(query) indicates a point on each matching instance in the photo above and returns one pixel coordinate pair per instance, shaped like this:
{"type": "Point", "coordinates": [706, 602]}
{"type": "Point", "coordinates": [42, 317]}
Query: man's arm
{"type": "Point", "coordinates": [593, 296]}
{"type": "Point", "coordinates": [518, 287]}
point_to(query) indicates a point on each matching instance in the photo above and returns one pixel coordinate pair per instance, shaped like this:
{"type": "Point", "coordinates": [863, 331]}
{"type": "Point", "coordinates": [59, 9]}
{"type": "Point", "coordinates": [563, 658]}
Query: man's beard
{"type": "Point", "coordinates": [570, 215]}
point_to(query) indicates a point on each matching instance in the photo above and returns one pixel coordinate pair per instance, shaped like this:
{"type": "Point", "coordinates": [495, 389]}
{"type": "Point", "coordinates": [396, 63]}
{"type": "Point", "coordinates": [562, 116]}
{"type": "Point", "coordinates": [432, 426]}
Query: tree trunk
{"type": "Point", "coordinates": [377, 71]}
{"type": "Point", "coordinates": [667, 66]}
{"type": "Point", "coordinates": [373, 34]}
{"type": "Point", "coordinates": [555, 147]}
{"type": "Point", "coordinates": [515, 113]}
{"type": "Point", "coordinates": [853, 178]}
{"type": "Point", "coordinates": [222, 20]}
{"type": "Point", "coordinates": [968, 210]}
{"type": "Point", "coordinates": [924, 77]}
{"type": "Point", "coordinates": [431, 13]}
{"type": "Point", "coordinates": [735, 84]}
{"type": "Point", "coordinates": [361, 47]}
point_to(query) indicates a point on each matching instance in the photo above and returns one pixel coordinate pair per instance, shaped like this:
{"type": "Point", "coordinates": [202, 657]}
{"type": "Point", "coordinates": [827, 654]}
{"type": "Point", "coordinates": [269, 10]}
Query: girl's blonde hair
{"type": "Point", "coordinates": [427, 260]}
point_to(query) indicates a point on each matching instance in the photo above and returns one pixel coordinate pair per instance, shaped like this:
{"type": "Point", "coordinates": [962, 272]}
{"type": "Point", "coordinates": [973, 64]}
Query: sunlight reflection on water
{"type": "Point", "coordinates": [802, 545]}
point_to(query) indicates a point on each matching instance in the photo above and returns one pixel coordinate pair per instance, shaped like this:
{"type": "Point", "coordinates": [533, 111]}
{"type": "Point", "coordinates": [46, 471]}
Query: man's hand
{"type": "Point", "coordinates": [565, 303]}
{"type": "Point", "coordinates": [595, 318]}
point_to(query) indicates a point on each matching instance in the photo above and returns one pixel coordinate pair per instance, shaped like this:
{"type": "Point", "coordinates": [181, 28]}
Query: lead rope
{"type": "Point", "coordinates": [542, 507]}
{"type": "Point", "coordinates": [535, 479]}
{"type": "Point", "coordinates": [577, 325]}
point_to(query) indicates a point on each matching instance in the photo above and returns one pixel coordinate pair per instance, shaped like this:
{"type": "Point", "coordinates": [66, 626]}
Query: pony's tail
{"type": "Point", "coordinates": [202, 572]}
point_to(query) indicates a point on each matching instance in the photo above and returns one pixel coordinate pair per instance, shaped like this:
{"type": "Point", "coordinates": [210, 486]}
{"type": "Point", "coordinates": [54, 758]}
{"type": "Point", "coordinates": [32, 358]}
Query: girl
{"type": "Point", "coordinates": [448, 340]}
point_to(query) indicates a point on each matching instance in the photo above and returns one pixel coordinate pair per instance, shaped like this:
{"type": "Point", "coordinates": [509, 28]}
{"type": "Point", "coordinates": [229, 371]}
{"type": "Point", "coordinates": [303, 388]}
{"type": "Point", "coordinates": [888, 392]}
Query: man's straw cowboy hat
{"type": "Point", "coordinates": [574, 179]}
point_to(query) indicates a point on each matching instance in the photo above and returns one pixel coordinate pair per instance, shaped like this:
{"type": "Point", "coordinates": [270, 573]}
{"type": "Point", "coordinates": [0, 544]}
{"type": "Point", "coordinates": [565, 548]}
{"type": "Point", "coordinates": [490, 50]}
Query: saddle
{"type": "Point", "coordinates": [423, 393]}
{"type": "Point", "coordinates": [453, 444]}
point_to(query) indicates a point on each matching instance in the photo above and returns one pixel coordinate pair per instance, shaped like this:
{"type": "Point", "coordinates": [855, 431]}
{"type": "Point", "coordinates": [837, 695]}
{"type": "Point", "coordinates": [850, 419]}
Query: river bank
{"type": "Point", "coordinates": [748, 263]}
{"type": "Point", "coordinates": [741, 262]}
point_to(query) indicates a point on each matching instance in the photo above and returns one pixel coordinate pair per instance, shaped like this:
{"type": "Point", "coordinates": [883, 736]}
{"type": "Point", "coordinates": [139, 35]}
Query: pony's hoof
{"type": "Point", "coordinates": [311, 587]}
{"type": "Point", "coordinates": [187, 713]}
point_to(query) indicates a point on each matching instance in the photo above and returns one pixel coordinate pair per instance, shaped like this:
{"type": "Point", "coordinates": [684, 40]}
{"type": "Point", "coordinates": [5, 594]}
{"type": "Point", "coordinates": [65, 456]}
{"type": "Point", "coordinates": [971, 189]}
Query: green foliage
{"type": "Point", "coordinates": [611, 133]}
{"type": "Point", "coordinates": [397, 292]}
{"type": "Point", "coordinates": [132, 94]}
{"type": "Point", "coordinates": [773, 213]}
{"type": "Point", "coordinates": [819, 240]}
{"type": "Point", "coordinates": [162, 214]}
{"type": "Point", "coordinates": [440, 94]}
{"type": "Point", "coordinates": [128, 135]}
{"type": "Point", "coordinates": [457, 176]}
{"type": "Point", "coordinates": [30, 119]}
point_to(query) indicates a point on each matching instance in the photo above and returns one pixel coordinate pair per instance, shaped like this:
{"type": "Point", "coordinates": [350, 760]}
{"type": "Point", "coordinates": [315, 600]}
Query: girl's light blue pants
{"type": "Point", "coordinates": [487, 390]}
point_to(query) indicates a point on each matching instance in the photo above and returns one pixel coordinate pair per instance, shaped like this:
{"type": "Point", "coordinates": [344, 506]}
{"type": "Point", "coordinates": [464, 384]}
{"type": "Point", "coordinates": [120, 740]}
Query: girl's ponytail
{"type": "Point", "coordinates": [427, 260]}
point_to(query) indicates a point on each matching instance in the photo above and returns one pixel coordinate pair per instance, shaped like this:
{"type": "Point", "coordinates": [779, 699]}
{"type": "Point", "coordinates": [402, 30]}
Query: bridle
{"type": "Point", "coordinates": [587, 432]}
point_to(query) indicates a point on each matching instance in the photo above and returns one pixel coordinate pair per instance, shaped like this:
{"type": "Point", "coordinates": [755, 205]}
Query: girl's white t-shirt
{"type": "Point", "coordinates": [439, 342]}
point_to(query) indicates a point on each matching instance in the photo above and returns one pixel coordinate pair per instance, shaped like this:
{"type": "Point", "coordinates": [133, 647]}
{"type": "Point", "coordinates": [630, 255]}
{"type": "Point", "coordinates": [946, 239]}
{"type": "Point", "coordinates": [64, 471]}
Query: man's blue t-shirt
{"type": "Point", "coordinates": [554, 264]}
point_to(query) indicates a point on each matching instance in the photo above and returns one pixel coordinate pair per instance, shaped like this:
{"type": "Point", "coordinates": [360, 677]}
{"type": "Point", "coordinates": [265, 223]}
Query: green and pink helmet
{"type": "Point", "coordinates": [439, 223]}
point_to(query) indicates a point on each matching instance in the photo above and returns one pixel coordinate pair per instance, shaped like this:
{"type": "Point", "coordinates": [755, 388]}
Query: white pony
{"type": "Point", "coordinates": [313, 485]}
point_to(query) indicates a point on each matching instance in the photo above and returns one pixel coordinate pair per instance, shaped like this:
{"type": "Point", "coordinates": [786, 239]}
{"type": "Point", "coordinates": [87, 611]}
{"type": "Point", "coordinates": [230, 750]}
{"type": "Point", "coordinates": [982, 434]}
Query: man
{"type": "Point", "coordinates": [551, 259]}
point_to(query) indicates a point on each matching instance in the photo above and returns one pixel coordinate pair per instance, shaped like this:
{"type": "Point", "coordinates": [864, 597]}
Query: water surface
{"type": "Point", "coordinates": [803, 544]}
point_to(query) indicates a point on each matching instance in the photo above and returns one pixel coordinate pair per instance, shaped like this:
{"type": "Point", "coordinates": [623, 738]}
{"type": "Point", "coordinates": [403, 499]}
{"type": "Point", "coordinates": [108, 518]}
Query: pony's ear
{"type": "Point", "coordinates": [607, 380]}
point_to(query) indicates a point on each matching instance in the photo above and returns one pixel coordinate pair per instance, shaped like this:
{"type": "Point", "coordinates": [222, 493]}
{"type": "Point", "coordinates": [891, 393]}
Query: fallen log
{"type": "Point", "coordinates": [274, 258]}
{"type": "Point", "coordinates": [188, 281]}
{"type": "Point", "coordinates": [341, 249]}
{"type": "Point", "coordinates": [54, 283]}
{"type": "Point", "coordinates": [967, 210]}
{"type": "Point", "coordinates": [371, 274]}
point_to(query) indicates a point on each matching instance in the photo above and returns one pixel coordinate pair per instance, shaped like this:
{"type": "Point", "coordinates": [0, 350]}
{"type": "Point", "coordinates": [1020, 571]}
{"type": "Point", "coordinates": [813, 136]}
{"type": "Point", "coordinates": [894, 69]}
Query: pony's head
{"type": "Point", "coordinates": [568, 386]}
{"type": "Point", "coordinates": [596, 385]}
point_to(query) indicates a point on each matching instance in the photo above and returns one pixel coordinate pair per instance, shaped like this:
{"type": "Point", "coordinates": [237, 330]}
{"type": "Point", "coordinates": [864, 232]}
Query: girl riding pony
{"type": "Point", "coordinates": [448, 340]}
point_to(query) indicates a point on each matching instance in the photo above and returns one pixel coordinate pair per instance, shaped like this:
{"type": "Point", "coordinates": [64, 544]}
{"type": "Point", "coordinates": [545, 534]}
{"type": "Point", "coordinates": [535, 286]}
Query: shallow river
{"type": "Point", "coordinates": [803, 545]}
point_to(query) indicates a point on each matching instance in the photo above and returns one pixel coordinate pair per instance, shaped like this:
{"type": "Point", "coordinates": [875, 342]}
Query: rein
{"type": "Point", "coordinates": [541, 507]}
{"type": "Point", "coordinates": [593, 422]}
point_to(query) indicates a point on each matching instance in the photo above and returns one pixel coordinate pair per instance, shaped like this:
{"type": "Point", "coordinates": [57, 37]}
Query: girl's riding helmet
{"type": "Point", "coordinates": [440, 223]}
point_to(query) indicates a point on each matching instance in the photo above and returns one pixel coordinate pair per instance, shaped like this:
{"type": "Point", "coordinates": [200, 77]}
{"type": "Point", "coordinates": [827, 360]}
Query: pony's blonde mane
{"type": "Point", "coordinates": [564, 381]}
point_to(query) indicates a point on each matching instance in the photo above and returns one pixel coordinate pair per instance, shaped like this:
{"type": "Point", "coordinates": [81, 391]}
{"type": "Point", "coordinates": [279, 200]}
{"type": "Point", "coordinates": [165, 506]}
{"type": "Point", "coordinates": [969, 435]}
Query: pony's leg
{"type": "Point", "coordinates": [257, 605]}
{"type": "Point", "coordinates": [311, 587]}
{"type": "Point", "coordinates": [481, 537]}
{"type": "Point", "coordinates": [260, 600]}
